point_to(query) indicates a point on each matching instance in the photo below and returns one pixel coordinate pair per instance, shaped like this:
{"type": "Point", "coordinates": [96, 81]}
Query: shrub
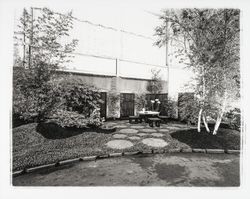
{"type": "Point", "coordinates": [188, 108]}
{"type": "Point", "coordinates": [33, 100]}
{"type": "Point", "coordinates": [66, 118]}
{"type": "Point", "coordinates": [140, 101]}
{"type": "Point", "coordinates": [155, 85]}
{"type": "Point", "coordinates": [79, 97]}
{"type": "Point", "coordinates": [113, 100]}
{"type": "Point", "coordinates": [234, 118]}
{"type": "Point", "coordinates": [67, 100]}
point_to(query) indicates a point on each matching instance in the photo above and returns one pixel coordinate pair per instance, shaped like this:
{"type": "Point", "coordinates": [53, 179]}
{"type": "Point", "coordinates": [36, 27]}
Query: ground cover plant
{"type": "Point", "coordinates": [37, 144]}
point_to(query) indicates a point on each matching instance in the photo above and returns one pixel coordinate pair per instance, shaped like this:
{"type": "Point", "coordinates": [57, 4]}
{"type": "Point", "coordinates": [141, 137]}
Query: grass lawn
{"type": "Point", "coordinates": [35, 144]}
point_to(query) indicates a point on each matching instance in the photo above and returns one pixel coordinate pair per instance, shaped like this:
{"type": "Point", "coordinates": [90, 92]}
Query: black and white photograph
{"type": "Point", "coordinates": [126, 94]}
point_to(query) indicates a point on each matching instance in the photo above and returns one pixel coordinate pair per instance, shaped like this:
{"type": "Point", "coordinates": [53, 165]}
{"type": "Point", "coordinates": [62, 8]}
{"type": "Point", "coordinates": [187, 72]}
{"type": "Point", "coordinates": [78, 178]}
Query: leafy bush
{"type": "Point", "coordinates": [140, 101]}
{"type": "Point", "coordinates": [113, 100]}
{"type": "Point", "coordinates": [234, 118]}
{"type": "Point", "coordinates": [33, 99]}
{"type": "Point", "coordinates": [67, 100]}
{"type": "Point", "coordinates": [188, 108]}
{"type": "Point", "coordinates": [78, 96]}
{"type": "Point", "coordinates": [155, 85]}
{"type": "Point", "coordinates": [66, 118]}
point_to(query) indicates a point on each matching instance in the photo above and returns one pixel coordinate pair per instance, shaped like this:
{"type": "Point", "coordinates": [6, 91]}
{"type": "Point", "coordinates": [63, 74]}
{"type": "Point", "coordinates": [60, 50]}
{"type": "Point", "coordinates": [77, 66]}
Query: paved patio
{"type": "Point", "coordinates": [180, 169]}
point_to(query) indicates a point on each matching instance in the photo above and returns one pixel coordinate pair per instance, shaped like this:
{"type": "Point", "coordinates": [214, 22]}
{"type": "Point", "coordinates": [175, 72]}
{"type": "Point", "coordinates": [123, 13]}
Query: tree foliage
{"type": "Point", "coordinates": [155, 84]}
{"type": "Point", "coordinates": [209, 44]}
{"type": "Point", "coordinates": [45, 37]}
{"type": "Point", "coordinates": [38, 92]}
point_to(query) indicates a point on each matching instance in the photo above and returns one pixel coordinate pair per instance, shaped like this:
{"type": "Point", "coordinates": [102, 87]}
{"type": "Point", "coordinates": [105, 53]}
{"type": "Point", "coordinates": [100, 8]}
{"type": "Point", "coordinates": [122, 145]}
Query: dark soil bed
{"type": "Point", "coordinates": [225, 139]}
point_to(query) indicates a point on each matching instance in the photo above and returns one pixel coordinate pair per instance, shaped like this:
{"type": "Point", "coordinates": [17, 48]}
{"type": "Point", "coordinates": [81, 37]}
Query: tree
{"type": "Point", "coordinates": [208, 42]}
{"type": "Point", "coordinates": [154, 86]}
{"type": "Point", "coordinates": [44, 36]}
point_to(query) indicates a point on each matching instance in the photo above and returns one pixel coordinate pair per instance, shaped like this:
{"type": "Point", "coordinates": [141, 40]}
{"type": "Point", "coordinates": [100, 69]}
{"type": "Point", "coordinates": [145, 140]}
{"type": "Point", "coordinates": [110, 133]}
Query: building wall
{"type": "Point", "coordinates": [118, 85]}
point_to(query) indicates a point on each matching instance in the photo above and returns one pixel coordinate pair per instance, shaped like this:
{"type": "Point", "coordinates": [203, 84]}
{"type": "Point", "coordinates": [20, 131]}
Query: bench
{"type": "Point", "coordinates": [157, 122]}
{"type": "Point", "coordinates": [163, 118]}
{"type": "Point", "coordinates": [136, 119]}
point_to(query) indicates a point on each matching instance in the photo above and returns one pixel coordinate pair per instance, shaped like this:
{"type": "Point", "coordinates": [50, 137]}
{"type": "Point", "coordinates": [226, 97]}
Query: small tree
{"type": "Point", "coordinates": [114, 104]}
{"type": "Point", "coordinates": [45, 37]}
{"type": "Point", "coordinates": [33, 88]}
{"type": "Point", "coordinates": [209, 40]}
{"type": "Point", "coordinates": [140, 101]}
{"type": "Point", "coordinates": [155, 86]}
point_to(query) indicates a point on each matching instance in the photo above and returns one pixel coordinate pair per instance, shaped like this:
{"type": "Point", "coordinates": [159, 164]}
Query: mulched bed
{"type": "Point", "coordinates": [35, 145]}
{"type": "Point", "coordinates": [225, 139]}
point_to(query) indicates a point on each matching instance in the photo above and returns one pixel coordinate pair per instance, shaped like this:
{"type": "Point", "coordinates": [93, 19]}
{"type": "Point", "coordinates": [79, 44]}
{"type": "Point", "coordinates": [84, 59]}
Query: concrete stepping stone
{"type": "Point", "coordinates": [137, 127]}
{"type": "Point", "coordinates": [128, 131]}
{"type": "Point", "coordinates": [148, 130]}
{"type": "Point", "coordinates": [163, 130]}
{"type": "Point", "coordinates": [157, 134]}
{"type": "Point", "coordinates": [154, 142]}
{"type": "Point", "coordinates": [142, 134]}
{"type": "Point", "coordinates": [110, 124]}
{"type": "Point", "coordinates": [134, 138]}
{"type": "Point", "coordinates": [119, 136]}
{"type": "Point", "coordinates": [173, 128]}
{"type": "Point", "coordinates": [119, 144]}
{"type": "Point", "coordinates": [121, 126]}
{"type": "Point", "coordinates": [179, 125]}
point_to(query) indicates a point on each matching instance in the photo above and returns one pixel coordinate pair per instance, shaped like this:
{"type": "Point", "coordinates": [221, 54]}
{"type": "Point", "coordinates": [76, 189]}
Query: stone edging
{"type": "Point", "coordinates": [94, 158]}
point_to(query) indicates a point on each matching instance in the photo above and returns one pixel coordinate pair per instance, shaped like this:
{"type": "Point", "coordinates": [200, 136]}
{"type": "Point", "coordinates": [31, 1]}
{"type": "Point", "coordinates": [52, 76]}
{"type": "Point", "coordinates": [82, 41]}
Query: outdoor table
{"type": "Point", "coordinates": [146, 114]}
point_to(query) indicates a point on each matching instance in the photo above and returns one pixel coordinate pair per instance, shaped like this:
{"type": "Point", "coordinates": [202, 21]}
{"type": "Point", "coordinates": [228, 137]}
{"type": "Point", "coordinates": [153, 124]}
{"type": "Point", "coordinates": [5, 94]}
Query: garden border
{"type": "Point", "coordinates": [132, 153]}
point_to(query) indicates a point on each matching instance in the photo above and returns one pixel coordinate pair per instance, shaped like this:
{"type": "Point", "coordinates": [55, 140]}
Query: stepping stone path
{"type": "Point", "coordinates": [154, 142]}
{"type": "Point", "coordinates": [119, 136]}
{"type": "Point", "coordinates": [134, 138]}
{"type": "Point", "coordinates": [148, 130]}
{"type": "Point", "coordinates": [157, 134]}
{"type": "Point", "coordinates": [142, 134]}
{"type": "Point", "coordinates": [128, 131]}
{"type": "Point", "coordinates": [119, 144]}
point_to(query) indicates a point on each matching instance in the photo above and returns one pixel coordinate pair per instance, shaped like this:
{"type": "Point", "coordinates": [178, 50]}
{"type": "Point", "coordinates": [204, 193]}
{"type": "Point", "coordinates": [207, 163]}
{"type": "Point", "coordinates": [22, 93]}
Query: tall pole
{"type": "Point", "coordinates": [31, 37]}
{"type": "Point", "coordinates": [24, 36]}
{"type": "Point", "coordinates": [167, 51]}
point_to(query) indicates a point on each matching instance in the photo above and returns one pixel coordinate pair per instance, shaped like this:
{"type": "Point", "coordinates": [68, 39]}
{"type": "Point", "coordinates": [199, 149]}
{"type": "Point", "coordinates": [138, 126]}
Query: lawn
{"type": "Point", "coordinates": [35, 144]}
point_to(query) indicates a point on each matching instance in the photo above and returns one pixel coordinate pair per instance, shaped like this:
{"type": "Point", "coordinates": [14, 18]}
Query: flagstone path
{"type": "Point", "coordinates": [128, 135]}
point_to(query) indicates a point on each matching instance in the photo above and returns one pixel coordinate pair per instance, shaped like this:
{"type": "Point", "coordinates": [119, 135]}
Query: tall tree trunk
{"type": "Point", "coordinates": [205, 123]}
{"type": "Point", "coordinates": [218, 121]}
{"type": "Point", "coordinates": [199, 121]}
{"type": "Point", "coordinates": [219, 117]}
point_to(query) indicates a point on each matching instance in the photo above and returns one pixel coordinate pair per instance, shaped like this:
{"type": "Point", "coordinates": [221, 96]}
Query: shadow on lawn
{"type": "Point", "coordinates": [51, 130]}
{"type": "Point", "coordinates": [225, 139]}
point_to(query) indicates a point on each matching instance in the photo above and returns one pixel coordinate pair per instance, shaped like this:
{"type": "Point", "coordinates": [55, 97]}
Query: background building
{"type": "Point", "coordinates": [116, 53]}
